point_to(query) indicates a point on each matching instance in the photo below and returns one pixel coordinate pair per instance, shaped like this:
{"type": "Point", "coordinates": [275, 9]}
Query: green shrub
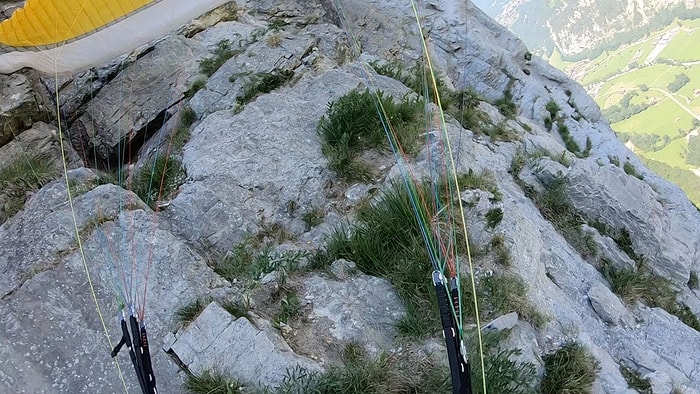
{"type": "Point", "coordinates": [506, 105]}
{"type": "Point", "coordinates": [693, 282]}
{"type": "Point", "coordinates": [571, 369]}
{"type": "Point", "coordinates": [245, 261]}
{"type": "Point", "coordinates": [548, 123]}
{"type": "Point", "coordinates": [589, 146]}
{"type": "Point", "coordinates": [290, 308]}
{"type": "Point", "coordinates": [222, 53]}
{"type": "Point", "coordinates": [352, 124]}
{"type": "Point", "coordinates": [494, 217]}
{"type": "Point", "coordinates": [630, 170]}
{"type": "Point", "coordinates": [553, 108]}
{"type": "Point", "coordinates": [212, 383]}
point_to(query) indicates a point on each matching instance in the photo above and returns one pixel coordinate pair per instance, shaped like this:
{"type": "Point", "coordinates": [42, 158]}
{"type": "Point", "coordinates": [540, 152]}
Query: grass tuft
{"type": "Point", "coordinates": [262, 83]}
{"type": "Point", "coordinates": [25, 175]}
{"type": "Point", "coordinates": [635, 380]}
{"type": "Point", "coordinates": [571, 369]}
{"type": "Point", "coordinates": [313, 217]}
{"type": "Point", "coordinates": [196, 86]}
{"type": "Point", "coordinates": [352, 124]}
{"type": "Point", "coordinates": [362, 374]}
{"type": "Point", "coordinates": [693, 282]}
{"type": "Point", "coordinates": [158, 180]}
{"type": "Point", "coordinates": [482, 181]}
{"type": "Point", "coordinates": [182, 130]}
{"type": "Point", "coordinates": [553, 108]}
{"type": "Point", "coordinates": [506, 106]}
{"type": "Point", "coordinates": [503, 293]}
{"type": "Point", "coordinates": [212, 383]}
{"type": "Point", "coordinates": [386, 241]}
{"type": "Point", "coordinates": [494, 217]}
{"type": "Point", "coordinates": [503, 256]}
{"type": "Point", "coordinates": [222, 53]}
{"type": "Point", "coordinates": [188, 313]}
{"type": "Point", "coordinates": [555, 206]}
{"type": "Point", "coordinates": [630, 170]}
{"type": "Point", "coordinates": [502, 374]}
{"type": "Point", "coordinates": [654, 290]}
{"type": "Point", "coordinates": [569, 141]}
{"type": "Point", "coordinates": [89, 227]}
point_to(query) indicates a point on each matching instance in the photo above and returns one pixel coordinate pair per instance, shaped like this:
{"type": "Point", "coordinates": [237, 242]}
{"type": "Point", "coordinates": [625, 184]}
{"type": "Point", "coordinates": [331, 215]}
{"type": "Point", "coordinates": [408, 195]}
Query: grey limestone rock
{"type": "Point", "coordinates": [608, 306]}
{"type": "Point", "coordinates": [22, 103]}
{"type": "Point", "coordinates": [134, 103]}
{"type": "Point", "coordinates": [361, 309]}
{"type": "Point", "coordinates": [252, 352]}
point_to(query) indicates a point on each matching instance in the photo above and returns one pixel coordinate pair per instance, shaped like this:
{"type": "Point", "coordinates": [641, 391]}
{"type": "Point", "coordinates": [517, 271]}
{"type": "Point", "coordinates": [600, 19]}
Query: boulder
{"type": "Point", "coordinates": [361, 309]}
{"type": "Point", "coordinates": [22, 103]}
{"type": "Point", "coordinates": [252, 352]}
{"type": "Point", "coordinates": [608, 306]}
{"type": "Point", "coordinates": [665, 236]}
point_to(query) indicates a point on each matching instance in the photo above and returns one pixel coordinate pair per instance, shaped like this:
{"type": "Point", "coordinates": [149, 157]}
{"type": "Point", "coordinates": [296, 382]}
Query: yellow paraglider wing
{"type": "Point", "coordinates": [70, 35]}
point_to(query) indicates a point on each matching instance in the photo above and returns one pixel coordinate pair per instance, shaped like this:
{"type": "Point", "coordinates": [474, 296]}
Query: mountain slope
{"type": "Point", "coordinates": [581, 30]}
{"type": "Point", "coordinates": [578, 210]}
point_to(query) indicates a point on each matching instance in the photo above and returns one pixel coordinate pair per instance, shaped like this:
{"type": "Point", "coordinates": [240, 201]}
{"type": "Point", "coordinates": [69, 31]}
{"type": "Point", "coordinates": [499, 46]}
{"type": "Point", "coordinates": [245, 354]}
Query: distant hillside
{"type": "Point", "coordinates": [649, 90]}
{"type": "Point", "coordinates": [583, 30]}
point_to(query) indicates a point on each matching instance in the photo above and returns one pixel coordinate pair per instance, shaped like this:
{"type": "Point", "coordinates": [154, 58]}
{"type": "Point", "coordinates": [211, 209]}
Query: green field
{"type": "Point", "coordinates": [673, 154]}
{"type": "Point", "coordinates": [683, 47]}
{"type": "Point", "coordinates": [664, 118]}
{"type": "Point", "coordinates": [631, 85]}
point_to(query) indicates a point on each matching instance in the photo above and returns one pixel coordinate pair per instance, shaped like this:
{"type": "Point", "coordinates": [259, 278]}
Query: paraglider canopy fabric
{"type": "Point", "coordinates": [71, 35]}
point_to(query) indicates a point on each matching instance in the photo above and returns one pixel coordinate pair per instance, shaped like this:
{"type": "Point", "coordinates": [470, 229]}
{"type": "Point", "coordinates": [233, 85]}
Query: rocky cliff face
{"type": "Point", "coordinates": [577, 26]}
{"type": "Point", "coordinates": [255, 170]}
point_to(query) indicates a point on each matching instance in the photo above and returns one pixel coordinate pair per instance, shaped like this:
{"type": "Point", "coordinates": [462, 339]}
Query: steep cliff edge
{"type": "Point", "coordinates": [577, 208]}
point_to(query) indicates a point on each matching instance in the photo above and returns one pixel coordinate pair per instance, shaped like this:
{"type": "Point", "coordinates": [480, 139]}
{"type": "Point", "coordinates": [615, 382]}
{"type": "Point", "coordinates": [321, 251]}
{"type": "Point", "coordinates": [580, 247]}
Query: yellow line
{"type": "Point", "coordinates": [459, 199]}
{"type": "Point", "coordinates": [75, 221]}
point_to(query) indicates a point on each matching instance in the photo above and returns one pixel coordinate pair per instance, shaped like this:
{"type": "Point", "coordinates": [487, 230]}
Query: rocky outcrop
{"type": "Point", "coordinates": [46, 297]}
{"type": "Point", "coordinates": [254, 167]}
{"type": "Point", "coordinates": [134, 105]}
{"type": "Point", "coordinates": [22, 103]}
{"type": "Point", "coordinates": [29, 161]}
